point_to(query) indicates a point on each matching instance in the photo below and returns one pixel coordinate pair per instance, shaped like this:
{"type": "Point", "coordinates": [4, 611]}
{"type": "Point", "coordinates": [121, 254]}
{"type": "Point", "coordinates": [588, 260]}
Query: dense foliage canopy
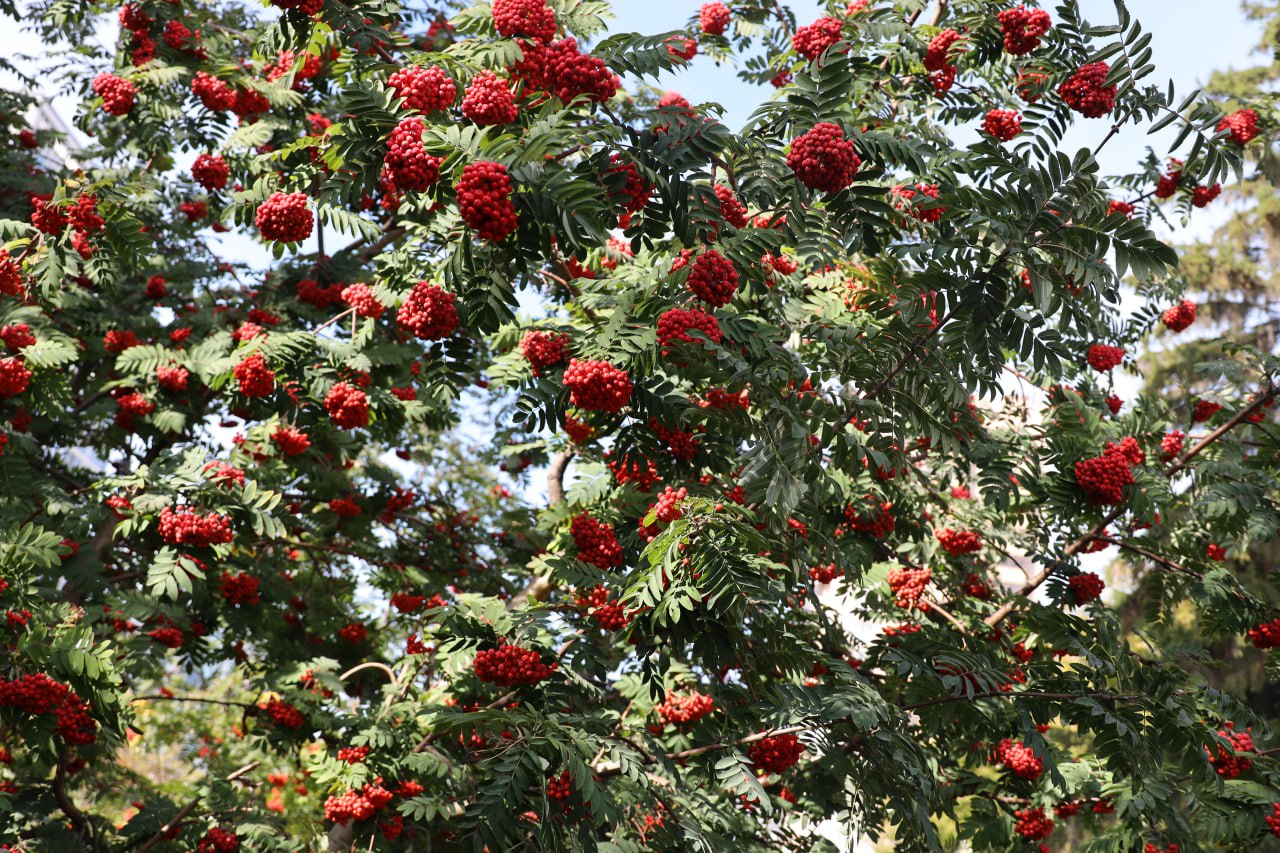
{"type": "Point", "coordinates": [421, 432]}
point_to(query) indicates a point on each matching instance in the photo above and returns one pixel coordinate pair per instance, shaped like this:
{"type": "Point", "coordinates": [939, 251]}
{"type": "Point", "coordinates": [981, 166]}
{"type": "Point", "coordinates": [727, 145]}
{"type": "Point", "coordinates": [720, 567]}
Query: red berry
{"type": "Point", "coordinates": [1033, 824]}
{"type": "Point", "coordinates": [1083, 91]}
{"type": "Point", "coordinates": [1003, 124]}
{"type": "Point", "coordinates": [1201, 196]}
{"type": "Point", "coordinates": [812, 40]}
{"type": "Point", "coordinates": [348, 406]}
{"type": "Point", "coordinates": [713, 18]}
{"type": "Point", "coordinates": [677, 323]}
{"type": "Point", "coordinates": [823, 159]}
{"type": "Point", "coordinates": [489, 100]}
{"type": "Point", "coordinates": [908, 585]}
{"type": "Point", "coordinates": [423, 89]}
{"type": "Point", "coordinates": [284, 218]}
{"type": "Point", "coordinates": [360, 297]}
{"type": "Point", "coordinates": [597, 385]}
{"type": "Point", "coordinates": [1243, 125]}
{"type": "Point", "coordinates": [407, 165]}
{"type": "Point", "coordinates": [958, 542]}
{"type": "Point", "coordinates": [596, 542]}
{"type": "Point", "coordinates": [1022, 28]}
{"type": "Point", "coordinates": [14, 377]}
{"type": "Point", "coordinates": [544, 349]}
{"type": "Point", "coordinates": [682, 710]}
{"type": "Point", "coordinates": [1180, 316]}
{"type": "Point", "coordinates": [1103, 358]}
{"type": "Point", "coordinates": [1086, 587]}
{"type": "Point", "coordinates": [776, 754]}
{"type": "Point", "coordinates": [255, 379]}
{"type": "Point", "coordinates": [713, 278]}
{"type": "Point", "coordinates": [428, 312]}
{"type": "Point", "coordinates": [1266, 635]}
{"type": "Point", "coordinates": [1019, 759]}
{"type": "Point", "coordinates": [528, 18]}
{"type": "Point", "coordinates": [116, 92]}
{"type": "Point", "coordinates": [484, 200]}
{"type": "Point", "coordinates": [511, 666]}
{"type": "Point", "coordinates": [215, 94]}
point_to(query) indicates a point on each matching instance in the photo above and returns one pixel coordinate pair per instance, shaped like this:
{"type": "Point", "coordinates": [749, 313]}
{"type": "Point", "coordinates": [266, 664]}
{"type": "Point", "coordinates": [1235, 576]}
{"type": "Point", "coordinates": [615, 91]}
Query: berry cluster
{"type": "Point", "coordinates": [823, 159]}
{"type": "Point", "coordinates": [921, 210]}
{"type": "Point", "coordinates": [713, 18]}
{"type": "Point", "coordinates": [937, 60]}
{"type": "Point", "coordinates": [116, 92]}
{"type": "Point", "coordinates": [357, 806]}
{"type": "Point", "coordinates": [1201, 196]}
{"type": "Point", "coordinates": [239, 588]}
{"type": "Point", "coordinates": [1083, 91]}
{"type": "Point", "coordinates": [310, 292]}
{"type": "Point", "coordinates": [187, 527]}
{"type": "Point", "coordinates": [1180, 316]}
{"type": "Point", "coordinates": [511, 666]}
{"type": "Point", "coordinates": [676, 323]}
{"type": "Point", "coordinates": [667, 508]}
{"type": "Point", "coordinates": [283, 714]}
{"type": "Point", "coordinates": [484, 200]}
{"type": "Point", "coordinates": [870, 517]}
{"type": "Point", "coordinates": [908, 585]}
{"type": "Point", "coordinates": [1019, 759]}
{"type": "Point", "coordinates": [596, 542]}
{"type": "Point", "coordinates": [428, 312]}
{"type": "Point", "coordinates": [823, 574]}
{"type": "Point", "coordinates": [609, 614]}
{"type": "Point", "coordinates": [731, 209]}
{"type": "Point", "coordinates": [1022, 28]}
{"type": "Point", "coordinates": [1103, 358]}
{"type": "Point", "coordinates": [489, 101]}
{"type": "Point", "coordinates": [1171, 445]}
{"type": "Point", "coordinates": [285, 218]}
{"type": "Point", "coordinates": [210, 171]}
{"type": "Point", "coordinates": [1229, 764]}
{"type": "Point", "coordinates": [524, 18]}
{"type": "Point", "coordinates": [361, 297]}
{"type": "Point", "coordinates": [14, 377]}
{"type": "Point", "coordinates": [215, 94]}
{"type": "Point", "coordinates": [561, 69]}
{"type": "Point", "coordinates": [597, 385]}
{"type": "Point", "coordinates": [776, 754]}
{"type": "Point", "coordinates": [407, 165]}
{"type": "Point", "coordinates": [1003, 124]}
{"type": "Point", "coordinates": [172, 378]}
{"type": "Point", "coordinates": [291, 440]}
{"type": "Point", "coordinates": [1104, 478]}
{"type": "Point", "coordinates": [348, 406]}
{"type": "Point", "coordinates": [713, 278]}
{"type": "Point", "coordinates": [1243, 125]}
{"type": "Point", "coordinates": [683, 710]}
{"type": "Point", "coordinates": [1266, 635]}
{"type": "Point", "coordinates": [958, 542]}
{"type": "Point", "coordinates": [1033, 824]}
{"type": "Point", "coordinates": [813, 40]}
{"type": "Point", "coordinates": [254, 377]}
{"type": "Point", "coordinates": [423, 89]}
{"type": "Point", "coordinates": [1273, 820]}
{"type": "Point", "coordinates": [10, 275]}
{"type": "Point", "coordinates": [353, 754]}
{"type": "Point", "coordinates": [544, 349]}
{"type": "Point", "coordinates": [218, 840]}
{"type": "Point", "coordinates": [39, 694]}
{"type": "Point", "coordinates": [1086, 587]}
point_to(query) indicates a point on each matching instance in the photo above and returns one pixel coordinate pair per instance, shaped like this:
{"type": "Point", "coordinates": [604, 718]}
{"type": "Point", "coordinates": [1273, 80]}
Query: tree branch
{"type": "Point", "coordinates": [541, 585]}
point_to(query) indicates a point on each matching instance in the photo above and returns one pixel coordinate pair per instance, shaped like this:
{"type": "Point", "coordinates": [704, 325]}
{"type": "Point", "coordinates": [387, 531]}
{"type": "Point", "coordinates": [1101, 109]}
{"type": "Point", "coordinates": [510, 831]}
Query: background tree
{"type": "Point", "coordinates": [277, 568]}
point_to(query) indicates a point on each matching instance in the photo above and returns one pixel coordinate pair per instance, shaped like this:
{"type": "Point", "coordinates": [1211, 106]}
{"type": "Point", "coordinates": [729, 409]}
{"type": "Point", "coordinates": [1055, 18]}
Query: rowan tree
{"type": "Point", "coordinates": [421, 431]}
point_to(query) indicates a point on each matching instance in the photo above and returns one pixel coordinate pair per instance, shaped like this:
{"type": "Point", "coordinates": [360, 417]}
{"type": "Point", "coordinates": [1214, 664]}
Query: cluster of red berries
{"type": "Point", "coordinates": [920, 209]}
{"type": "Point", "coordinates": [1228, 764]}
{"type": "Point", "coordinates": [823, 574]}
{"type": "Point", "coordinates": [291, 440]}
{"type": "Point", "coordinates": [908, 585]}
{"type": "Point", "coordinates": [561, 69]}
{"type": "Point", "coordinates": [1083, 91]}
{"type": "Point", "coordinates": [597, 385]}
{"type": "Point", "coordinates": [544, 349]}
{"type": "Point", "coordinates": [823, 159]}
{"type": "Point", "coordinates": [1022, 28]}
{"type": "Point", "coordinates": [676, 324]}
{"type": "Point", "coordinates": [407, 165]}
{"type": "Point", "coordinates": [713, 278]}
{"type": "Point", "coordinates": [596, 542]}
{"type": "Point", "coordinates": [1003, 124]}
{"type": "Point", "coordinates": [813, 40]}
{"type": "Point", "coordinates": [210, 171]}
{"type": "Point", "coordinates": [1019, 759]}
{"type": "Point", "coordinates": [348, 406]}
{"type": "Point", "coordinates": [524, 18]}
{"type": "Point", "coordinates": [14, 377]}
{"type": "Point", "coordinates": [609, 614]}
{"type": "Point", "coordinates": [1216, 553]}
{"type": "Point", "coordinates": [187, 527]}
{"type": "Point", "coordinates": [1273, 819]}
{"type": "Point", "coordinates": [1103, 358]}
{"type": "Point", "coordinates": [254, 377]}
{"type": "Point", "coordinates": [353, 754]}
{"type": "Point", "coordinates": [958, 542]}
{"type": "Point", "coordinates": [489, 100]}
{"type": "Point", "coordinates": [39, 694]}
{"type": "Point", "coordinates": [218, 840]}
{"type": "Point", "coordinates": [361, 297]}
{"type": "Point", "coordinates": [1180, 316]}
{"type": "Point", "coordinates": [1104, 478]}
{"type": "Point", "coordinates": [731, 208]}
{"type": "Point", "coordinates": [283, 714]}
{"type": "Point", "coordinates": [937, 60]}
{"type": "Point", "coordinates": [285, 218]}
{"type": "Point", "coordinates": [423, 89]}
{"type": "Point", "coordinates": [1123, 207]}
{"type": "Point", "coordinates": [484, 200]}
{"type": "Point", "coordinates": [1033, 824]}
{"type": "Point", "coordinates": [350, 806]}
{"type": "Point", "coordinates": [239, 588]}
{"type": "Point", "coordinates": [428, 312]}
{"type": "Point", "coordinates": [10, 275]}
{"type": "Point", "coordinates": [683, 710]}
{"type": "Point", "coordinates": [871, 517]}
{"type": "Point", "coordinates": [168, 636]}
{"type": "Point", "coordinates": [16, 336]}
{"type": "Point", "coordinates": [510, 666]}
{"type": "Point", "coordinates": [713, 18]}
{"type": "Point", "coordinates": [1205, 409]}
{"type": "Point", "coordinates": [117, 94]}
{"type": "Point", "coordinates": [667, 508]}
{"type": "Point", "coordinates": [47, 216]}
{"type": "Point", "coordinates": [1086, 587]}
{"type": "Point", "coordinates": [117, 340]}
{"type": "Point", "coordinates": [215, 94]}
{"type": "Point", "coordinates": [1201, 196]}
{"type": "Point", "coordinates": [632, 191]}
{"type": "Point", "coordinates": [1266, 635]}
{"type": "Point", "coordinates": [776, 754]}
{"type": "Point", "coordinates": [1243, 125]}
{"type": "Point", "coordinates": [1171, 445]}
{"type": "Point", "coordinates": [131, 405]}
